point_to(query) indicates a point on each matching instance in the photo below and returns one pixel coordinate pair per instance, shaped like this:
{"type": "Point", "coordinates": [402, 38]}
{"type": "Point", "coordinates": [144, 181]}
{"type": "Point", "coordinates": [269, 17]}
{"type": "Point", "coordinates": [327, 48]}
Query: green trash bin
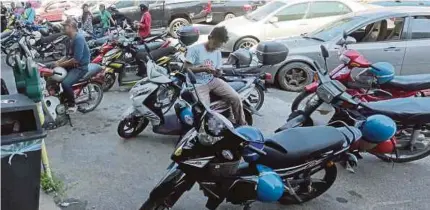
{"type": "Point", "coordinates": [21, 139]}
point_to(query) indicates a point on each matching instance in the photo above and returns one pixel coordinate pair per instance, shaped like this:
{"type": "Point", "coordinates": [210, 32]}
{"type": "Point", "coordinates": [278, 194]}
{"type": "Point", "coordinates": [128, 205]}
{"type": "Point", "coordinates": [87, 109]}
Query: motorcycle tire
{"type": "Point", "coordinates": [260, 93]}
{"type": "Point", "coordinates": [320, 186]}
{"type": "Point", "coordinates": [298, 100]}
{"type": "Point", "coordinates": [99, 91]}
{"type": "Point", "coordinates": [134, 122]}
{"type": "Point", "coordinates": [109, 81]}
{"type": "Point", "coordinates": [10, 58]}
{"type": "Point", "coordinates": [419, 156]}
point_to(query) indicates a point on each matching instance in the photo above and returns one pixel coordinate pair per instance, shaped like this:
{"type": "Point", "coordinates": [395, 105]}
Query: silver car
{"type": "Point", "coordinates": [284, 18]}
{"type": "Point", "coordinates": [398, 35]}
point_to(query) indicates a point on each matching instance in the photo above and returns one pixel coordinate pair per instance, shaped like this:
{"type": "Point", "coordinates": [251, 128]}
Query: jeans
{"type": "Point", "coordinates": [100, 32]}
{"type": "Point", "coordinates": [73, 76]}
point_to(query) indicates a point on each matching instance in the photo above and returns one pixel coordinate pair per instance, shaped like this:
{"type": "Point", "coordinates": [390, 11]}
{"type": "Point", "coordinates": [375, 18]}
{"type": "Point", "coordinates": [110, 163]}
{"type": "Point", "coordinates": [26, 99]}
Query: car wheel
{"type": "Point", "coordinates": [229, 16]}
{"type": "Point", "coordinates": [295, 76]}
{"type": "Point", "coordinates": [245, 43]}
{"type": "Point", "coordinates": [176, 24]}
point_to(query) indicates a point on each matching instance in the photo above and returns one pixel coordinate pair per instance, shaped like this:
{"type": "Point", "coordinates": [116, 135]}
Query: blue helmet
{"type": "Point", "coordinates": [383, 71]}
{"type": "Point", "coordinates": [378, 128]}
{"type": "Point", "coordinates": [270, 187]}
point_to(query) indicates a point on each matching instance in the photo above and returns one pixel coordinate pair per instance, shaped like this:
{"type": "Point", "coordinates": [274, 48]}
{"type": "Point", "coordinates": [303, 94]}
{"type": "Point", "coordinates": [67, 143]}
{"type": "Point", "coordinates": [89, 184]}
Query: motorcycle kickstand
{"type": "Point", "coordinates": [290, 189]}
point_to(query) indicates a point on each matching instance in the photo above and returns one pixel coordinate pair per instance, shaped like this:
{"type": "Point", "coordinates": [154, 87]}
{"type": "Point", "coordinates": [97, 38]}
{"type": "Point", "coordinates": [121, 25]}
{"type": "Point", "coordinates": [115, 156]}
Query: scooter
{"type": "Point", "coordinates": [397, 87]}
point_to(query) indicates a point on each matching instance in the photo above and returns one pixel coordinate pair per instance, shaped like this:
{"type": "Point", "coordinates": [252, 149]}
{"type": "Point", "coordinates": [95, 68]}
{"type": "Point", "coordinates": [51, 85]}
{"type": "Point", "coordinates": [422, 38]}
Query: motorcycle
{"type": "Point", "coordinates": [275, 170]}
{"type": "Point", "coordinates": [333, 103]}
{"type": "Point", "coordinates": [397, 87]}
{"type": "Point", "coordinates": [32, 44]}
{"type": "Point", "coordinates": [88, 93]}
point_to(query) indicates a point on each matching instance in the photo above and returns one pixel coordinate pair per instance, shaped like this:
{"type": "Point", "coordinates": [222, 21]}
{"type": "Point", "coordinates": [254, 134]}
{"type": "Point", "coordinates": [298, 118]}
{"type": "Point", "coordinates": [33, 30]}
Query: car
{"type": "Point", "coordinates": [398, 35]}
{"type": "Point", "coordinates": [395, 3]}
{"type": "Point", "coordinates": [171, 14]}
{"type": "Point", "coordinates": [53, 11]}
{"type": "Point", "coordinates": [281, 18]}
{"type": "Point", "coordinates": [227, 9]}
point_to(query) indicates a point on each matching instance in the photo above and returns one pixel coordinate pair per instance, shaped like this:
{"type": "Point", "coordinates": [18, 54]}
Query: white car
{"type": "Point", "coordinates": [284, 18]}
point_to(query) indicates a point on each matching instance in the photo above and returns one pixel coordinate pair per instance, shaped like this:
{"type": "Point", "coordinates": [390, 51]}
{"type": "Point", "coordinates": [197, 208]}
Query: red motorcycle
{"type": "Point", "coordinates": [359, 86]}
{"type": "Point", "coordinates": [88, 94]}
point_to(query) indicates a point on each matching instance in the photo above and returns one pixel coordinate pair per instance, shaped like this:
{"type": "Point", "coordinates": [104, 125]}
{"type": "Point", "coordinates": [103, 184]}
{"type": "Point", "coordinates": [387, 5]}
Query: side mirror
{"type": "Point", "coordinates": [341, 42]}
{"type": "Point", "coordinates": [350, 40]}
{"type": "Point", "coordinates": [345, 35]}
{"type": "Point", "coordinates": [273, 20]}
{"type": "Point", "coordinates": [192, 77]}
{"type": "Point", "coordinates": [324, 52]}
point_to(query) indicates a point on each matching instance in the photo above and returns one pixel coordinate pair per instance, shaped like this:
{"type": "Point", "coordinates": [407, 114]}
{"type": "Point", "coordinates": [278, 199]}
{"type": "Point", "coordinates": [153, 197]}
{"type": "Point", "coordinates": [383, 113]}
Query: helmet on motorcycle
{"type": "Point", "coordinates": [240, 57]}
{"type": "Point", "coordinates": [378, 128]}
{"type": "Point", "coordinates": [383, 71]}
{"type": "Point", "coordinates": [270, 187]}
{"type": "Point", "coordinates": [60, 74]}
{"type": "Point", "coordinates": [44, 31]}
{"type": "Point", "coordinates": [255, 138]}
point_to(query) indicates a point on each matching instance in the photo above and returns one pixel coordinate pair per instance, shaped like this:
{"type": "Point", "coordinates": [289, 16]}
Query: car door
{"type": "Point", "coordinates": [288, 21]}
{"type": "Point", "coordinates": [382, 41]}
{"type": "Point", "coordinates": [322, 12]}
{"type": "Point", "coordinates": [157, 10]}
{"type": "Point", "coordinates": [417, 46]}
{"type": "Point", "coordinates": [129, 8]}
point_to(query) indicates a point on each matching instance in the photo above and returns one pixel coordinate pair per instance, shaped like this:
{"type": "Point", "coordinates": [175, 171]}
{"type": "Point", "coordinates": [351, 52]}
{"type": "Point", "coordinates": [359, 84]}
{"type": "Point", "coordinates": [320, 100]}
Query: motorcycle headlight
{"type": "Point", "coordinates": [324, 94]}
{"type": "Point", "coordinates": [216, 124]}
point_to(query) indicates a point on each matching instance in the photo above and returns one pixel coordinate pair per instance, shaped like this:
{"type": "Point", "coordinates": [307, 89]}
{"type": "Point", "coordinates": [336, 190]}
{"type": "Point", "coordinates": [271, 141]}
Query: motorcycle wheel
{"type": "Point", "coordinates": [259, 98]}
{"type": "Point", "coordinates": [131, 127]}
{"type": "Point", "coordinates": [109, 81]}
{"type": "Point", "coordinates": [93, 89]}
{"type": "Point", "coordinates": [248, 117]}
{"type": "Point", "coordinates": [318, 185]}
{"type": "Point", "coordinates": [10, 58]}
{"type": "Point", "coordinates": [60, 47]}
{"type": "Point", "coordinates": [405, 155]}
{"type": "Point", "coordinates": [301, 97]}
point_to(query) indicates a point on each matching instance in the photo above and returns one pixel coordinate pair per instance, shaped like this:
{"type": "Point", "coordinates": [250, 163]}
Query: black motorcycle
{"type": "Point", "coordinates": [210, 154]}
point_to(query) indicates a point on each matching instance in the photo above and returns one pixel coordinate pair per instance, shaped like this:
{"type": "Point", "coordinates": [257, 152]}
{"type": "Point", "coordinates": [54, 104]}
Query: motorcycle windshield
{"type": "Point", "coordinates": [157, 73]}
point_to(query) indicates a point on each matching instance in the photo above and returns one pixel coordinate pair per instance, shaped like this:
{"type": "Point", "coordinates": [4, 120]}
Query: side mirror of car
{"type": "Point", "coordinates": [273, 20]}
{"type": "Point", "coordinates": [344, 35]}
{"type": "Point", "coordinates": [324, 52]}
{"type": "Point", "coordinates": [341, 42]}
{"type": "Point", "coordinates": [350, 40]}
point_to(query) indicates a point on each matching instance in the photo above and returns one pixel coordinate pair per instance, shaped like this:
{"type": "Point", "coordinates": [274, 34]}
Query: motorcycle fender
{"type": "Point", "coordinates": [131, 111]}
{"type": "Point", "coordinates": [311, 88]}
{"type": "Point", "coordinates": [163, 188]}
{"type": "Point", "coordinates": [250, 108]}
{"type": "Point", "coordinates": [294, 122]}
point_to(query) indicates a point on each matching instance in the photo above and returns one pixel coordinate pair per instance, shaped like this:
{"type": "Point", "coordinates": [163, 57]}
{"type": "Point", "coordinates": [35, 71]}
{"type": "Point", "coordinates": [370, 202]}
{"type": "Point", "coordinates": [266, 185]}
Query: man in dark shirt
{"type": "Point", "coordinates": [77, 64]}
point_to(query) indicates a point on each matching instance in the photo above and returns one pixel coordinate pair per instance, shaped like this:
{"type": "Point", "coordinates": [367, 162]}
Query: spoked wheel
{"type": "Point", "coordinates": [109, 81]}
{"type": "Point", "coordinates": [320, 180]}
{"type": "Point", "coordinates": [407, 152]}
{"type": "Point", "coordinates": [131, 127]}
{"type": "Point", "coordinates": [256, 98]}
{"type": "Point", "coordinates": [300, 101]}
{"type": "Point", "coordinates": [91, 97]}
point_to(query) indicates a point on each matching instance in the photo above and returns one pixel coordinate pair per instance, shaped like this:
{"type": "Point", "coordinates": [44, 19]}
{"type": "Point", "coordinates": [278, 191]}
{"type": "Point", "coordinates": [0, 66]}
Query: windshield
{"type": "Point", "coordinates": [264, 11]}
{"type": "Point", "coordinates": [335, 28]}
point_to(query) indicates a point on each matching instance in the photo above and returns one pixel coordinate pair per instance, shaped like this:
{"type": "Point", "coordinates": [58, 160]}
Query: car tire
{"type": "Point", "coordinates": [229, 16]}
{"type": "Point", "coordinates": [176, 24]}
{"type": "Point", "coordinates": [294, 76]}
{"type": "Point", "coordinates": [245, 43]}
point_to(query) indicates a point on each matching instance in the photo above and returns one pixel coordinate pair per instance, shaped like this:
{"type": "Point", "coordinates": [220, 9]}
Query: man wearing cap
{"type": "Point", "coordinates": [77, 64]}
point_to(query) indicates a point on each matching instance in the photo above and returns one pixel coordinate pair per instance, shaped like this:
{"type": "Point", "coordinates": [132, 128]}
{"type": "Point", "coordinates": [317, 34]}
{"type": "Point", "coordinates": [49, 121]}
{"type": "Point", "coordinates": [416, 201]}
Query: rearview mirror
{"type": "Point", "coordinates": [344, 35]}
{"type": "Point", "coordinates": [341, 42]}
{"type": "Point", "coordinates": [273, 20]}
{"type": "Point", "coordinates": [324, 52]}
{"type": "Point", "coordinates": [350, 40]}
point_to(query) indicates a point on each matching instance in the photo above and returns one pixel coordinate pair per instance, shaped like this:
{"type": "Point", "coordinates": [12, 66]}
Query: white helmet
{"type": "Point", "coordinates": [37, 35]}
{"type": "Point", "coordinates": [59, 74]}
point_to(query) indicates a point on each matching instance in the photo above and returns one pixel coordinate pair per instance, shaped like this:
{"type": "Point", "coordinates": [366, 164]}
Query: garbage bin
{"type": "Point", "coordinates": [21, 138]}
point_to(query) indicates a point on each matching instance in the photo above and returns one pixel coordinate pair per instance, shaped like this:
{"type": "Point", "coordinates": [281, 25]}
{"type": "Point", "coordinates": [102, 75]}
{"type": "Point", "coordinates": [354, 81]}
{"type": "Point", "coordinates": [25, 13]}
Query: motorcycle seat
{"type": "Point", "coordinates": [409, 82]}
{"type": "Point", "coordinates": [298, 145]}
{"type": "Point", "coordinates": [233, 71]}
{"type": "Point", "coordinates": [152, 46]}
{"type": "Point", "coordinates": [407, 110]}
{"type": "Point", "coordinates": [50, 38]}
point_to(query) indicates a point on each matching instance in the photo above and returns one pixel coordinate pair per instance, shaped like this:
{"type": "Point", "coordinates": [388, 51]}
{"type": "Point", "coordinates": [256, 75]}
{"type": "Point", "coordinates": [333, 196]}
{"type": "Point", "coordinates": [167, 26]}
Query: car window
{"type": "Point", "coordinates": [325, 9]}
{"type": "Point", "coordinates": [124, 4]}
{"type": "Point", "coordinates": [390, 29]}
{"type": "Point", "coordinates": [265, 10]}
{"type": "Point", "coordinates": [333, 29]}
{"type": "Point", "coordinates": [293, 12]}
{"type": "Point", "coordinates": [420, 27]}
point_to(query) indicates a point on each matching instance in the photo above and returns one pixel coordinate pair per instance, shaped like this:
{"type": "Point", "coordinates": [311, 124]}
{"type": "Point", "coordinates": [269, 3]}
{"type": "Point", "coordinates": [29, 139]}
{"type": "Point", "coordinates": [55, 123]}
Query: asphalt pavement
{"type": "Point", "coordinates": [104, 172]}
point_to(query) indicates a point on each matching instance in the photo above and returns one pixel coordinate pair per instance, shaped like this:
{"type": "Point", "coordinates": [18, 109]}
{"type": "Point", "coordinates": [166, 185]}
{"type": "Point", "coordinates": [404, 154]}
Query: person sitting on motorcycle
{"type": "Point", "coordinates": [144, 26]}
{"type": "Point", "coordinates": [77, 65]}
{"type": "Point", "coordinates": [205, 60]}
{"type": "Point", "coordinates": [29, 14]}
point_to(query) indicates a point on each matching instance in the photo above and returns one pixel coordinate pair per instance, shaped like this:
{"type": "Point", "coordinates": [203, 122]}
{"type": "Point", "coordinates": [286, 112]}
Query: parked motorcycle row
{"type": "Point", "coordinates": [373, 111]}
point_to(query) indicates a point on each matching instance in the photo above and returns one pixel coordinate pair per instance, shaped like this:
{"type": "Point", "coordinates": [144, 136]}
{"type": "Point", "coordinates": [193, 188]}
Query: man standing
{"type": "Point", "coordinates": [77, 65]}
{"type": "Point", "coordinates": [105, 18]}
{"type": "Point", "coordinates": [29, 14]}
{"type": "Point", "coordinates": [205, 60]}
{"type": "Point", "coordinates": [144, 25]}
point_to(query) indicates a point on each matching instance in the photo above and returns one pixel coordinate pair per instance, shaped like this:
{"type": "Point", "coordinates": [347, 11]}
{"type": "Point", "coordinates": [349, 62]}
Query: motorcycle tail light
{"type": "Point", "coordinates": [267, 76]}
